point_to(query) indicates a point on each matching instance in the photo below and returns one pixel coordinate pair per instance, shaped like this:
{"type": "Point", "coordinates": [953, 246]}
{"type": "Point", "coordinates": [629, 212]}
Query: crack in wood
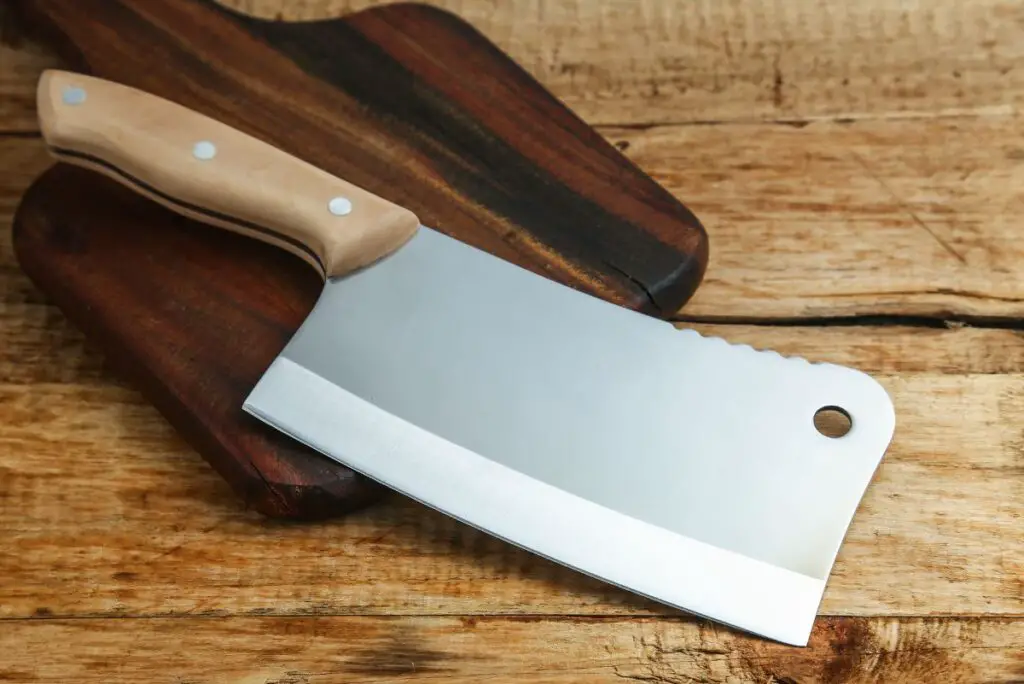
{"type": "Point", "coordinates": [937, 322]}
{"type": "Point", "coordinates": [908, 209]}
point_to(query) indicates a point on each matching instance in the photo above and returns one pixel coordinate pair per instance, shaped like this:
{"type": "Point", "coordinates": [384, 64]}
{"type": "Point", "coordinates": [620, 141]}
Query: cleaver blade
{"type": "Point", "coordinates": [679, 467]}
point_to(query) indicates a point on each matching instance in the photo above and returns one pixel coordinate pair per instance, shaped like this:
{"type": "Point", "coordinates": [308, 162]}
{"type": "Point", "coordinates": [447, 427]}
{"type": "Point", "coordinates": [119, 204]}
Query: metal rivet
{"type": "Point", "coordinates": [73, 95]}
{"type": "Point", "coordinates": [204, 150]}
{"type": "Point", "coordinates": [340, 206]}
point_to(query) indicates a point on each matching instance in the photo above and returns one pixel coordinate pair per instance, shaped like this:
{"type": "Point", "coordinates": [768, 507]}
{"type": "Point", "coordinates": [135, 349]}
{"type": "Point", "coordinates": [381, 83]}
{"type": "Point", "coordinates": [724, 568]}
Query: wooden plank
{"type": "Point", "coordinates": [665, 61]}
{"type": "Point", "coordinates": [831, 219]}
{"type": "Point", "coordinates": [105, 512]}
{"type": "Point", "coordinates": [876, 217]}
{"type": "Point", "coordinates": [551, 651]}
{"type": "Point", "coordinates": [40, 346]}
{"type": "Point", "coordinates": [888, 349]}
{"type": "Point", "coordinates": [661, 61]}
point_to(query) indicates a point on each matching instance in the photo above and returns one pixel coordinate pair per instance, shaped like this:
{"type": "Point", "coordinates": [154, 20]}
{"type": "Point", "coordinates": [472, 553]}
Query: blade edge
{"type": "Point", "coordinates": [644, 559]}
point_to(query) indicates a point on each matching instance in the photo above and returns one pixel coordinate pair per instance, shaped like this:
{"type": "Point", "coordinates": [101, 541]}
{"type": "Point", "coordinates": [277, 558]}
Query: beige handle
{"type": "Point", "coordinates": [208, 171]}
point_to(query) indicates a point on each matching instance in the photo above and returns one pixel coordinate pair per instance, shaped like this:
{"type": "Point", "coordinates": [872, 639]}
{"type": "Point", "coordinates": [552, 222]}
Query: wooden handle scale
{"type": "Point", "coordinates": [208, 171]}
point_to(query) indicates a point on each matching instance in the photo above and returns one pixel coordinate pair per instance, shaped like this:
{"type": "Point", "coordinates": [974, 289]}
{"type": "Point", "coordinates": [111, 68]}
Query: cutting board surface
{"type": "Point", "coordinates": [407, 101]}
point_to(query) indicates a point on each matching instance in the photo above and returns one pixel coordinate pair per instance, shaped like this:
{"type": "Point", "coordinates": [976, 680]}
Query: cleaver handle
{"type": "Point", "coordinates": [208, 171]}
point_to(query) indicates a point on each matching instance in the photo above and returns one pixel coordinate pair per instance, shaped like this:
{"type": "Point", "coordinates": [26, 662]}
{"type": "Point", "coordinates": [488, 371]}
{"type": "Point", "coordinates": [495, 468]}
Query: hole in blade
{"type": "Point", "coordinates": [832, 421]}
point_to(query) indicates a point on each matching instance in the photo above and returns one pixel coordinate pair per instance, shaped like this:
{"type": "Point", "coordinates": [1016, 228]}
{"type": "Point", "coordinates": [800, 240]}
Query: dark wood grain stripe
{"type": "Point", "coordinates": [488, 165]}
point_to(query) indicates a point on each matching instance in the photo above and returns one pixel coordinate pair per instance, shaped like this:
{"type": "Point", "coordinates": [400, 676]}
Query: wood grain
{"type": "Point", "coordinates": [659, 61]}
{"type": "Point", "coordinates": [537, 650]}
{"type": "Point", "coordinates": [892, 217]}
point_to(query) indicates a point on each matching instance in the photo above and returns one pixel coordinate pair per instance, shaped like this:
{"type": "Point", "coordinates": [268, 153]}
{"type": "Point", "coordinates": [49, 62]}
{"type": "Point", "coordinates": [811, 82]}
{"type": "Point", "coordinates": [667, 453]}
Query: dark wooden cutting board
{"type": "Point", "coordinates": [405, 100]}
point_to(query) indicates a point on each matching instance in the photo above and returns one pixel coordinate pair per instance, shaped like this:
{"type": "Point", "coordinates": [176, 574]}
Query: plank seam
{"type": "Point", "coordinates": [802, 121]}
{"type": "Point", "coordinates": [952, 322]}
{"type": "Point", "coordinates": [512, 617]}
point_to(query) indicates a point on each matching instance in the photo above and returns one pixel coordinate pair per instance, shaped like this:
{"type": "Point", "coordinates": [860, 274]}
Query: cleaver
{"type": "Point", "coordinates": [679, 467]}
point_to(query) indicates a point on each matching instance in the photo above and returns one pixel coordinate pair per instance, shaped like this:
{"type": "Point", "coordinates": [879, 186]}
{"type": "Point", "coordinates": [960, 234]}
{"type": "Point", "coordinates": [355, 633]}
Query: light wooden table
{"type": "Point", "coordinates": [860, 167]}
